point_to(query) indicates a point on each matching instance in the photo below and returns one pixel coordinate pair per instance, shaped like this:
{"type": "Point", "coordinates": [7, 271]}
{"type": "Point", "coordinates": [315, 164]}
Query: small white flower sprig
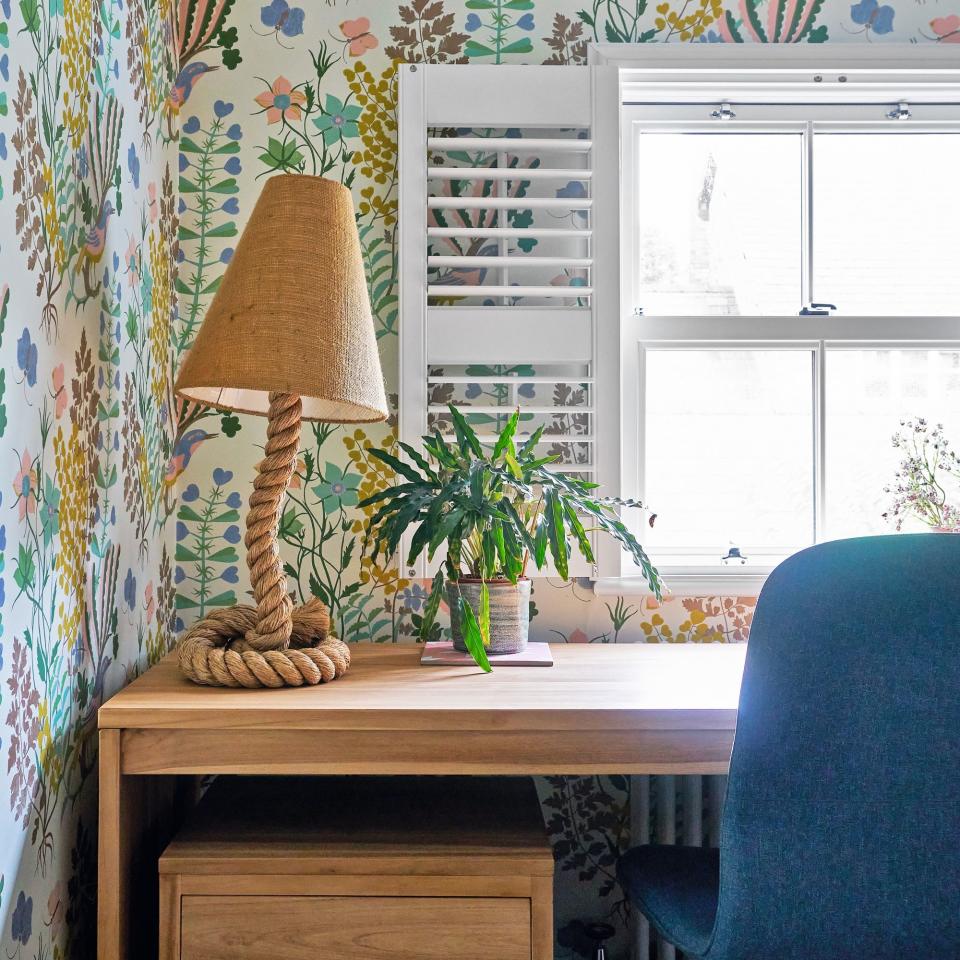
{"type": "Point", "coordinates": [918, 489]}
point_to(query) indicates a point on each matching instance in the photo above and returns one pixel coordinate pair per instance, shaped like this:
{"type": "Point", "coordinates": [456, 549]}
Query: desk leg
{"type": "Point", "coordinates": [138, 816]}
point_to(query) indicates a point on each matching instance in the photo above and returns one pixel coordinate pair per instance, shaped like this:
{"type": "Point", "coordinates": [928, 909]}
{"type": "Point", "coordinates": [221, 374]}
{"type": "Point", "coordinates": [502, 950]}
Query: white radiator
{"type": "Point", "coordinates": [667, 809]}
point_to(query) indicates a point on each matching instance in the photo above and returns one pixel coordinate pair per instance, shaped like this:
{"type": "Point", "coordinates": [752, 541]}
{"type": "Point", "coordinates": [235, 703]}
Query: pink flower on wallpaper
{"type": "Point", "coordinates": [56, 907]}
{"type": "Point", "coordinates": [281, 101]}
{"type": "Point", "coordinates": [131, 260]}
{"type": "Point", "coordinates": [359, 37]}
{"type": "Point", "coordinates": [152, 201]}
{"type": "Point", "coordinates": [947, 29]}
{"type": "Point", "coordinates": [60, 396]}
{"type": "Point", "coordinates": [578, 636]}
{"type": "Point", "coordinates": [25, 487]}
{"type": "Point", "coordinates": [149, 601]}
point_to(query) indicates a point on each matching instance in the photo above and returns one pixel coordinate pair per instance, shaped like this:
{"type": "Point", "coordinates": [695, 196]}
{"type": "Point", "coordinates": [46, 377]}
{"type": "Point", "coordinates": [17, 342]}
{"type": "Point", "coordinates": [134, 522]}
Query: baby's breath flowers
{"type": "Point", "coordinates": [929, 466]}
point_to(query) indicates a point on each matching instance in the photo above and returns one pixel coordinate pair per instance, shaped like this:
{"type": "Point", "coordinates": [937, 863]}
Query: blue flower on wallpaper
{"type": "Point", "coordinates": [472, 22]}
{"type": "Point", "coordinates": [574, 190]}
{"type": "Point", "coordinates": [222, 109]}
{"type": "Point", "coordinates": [190, 493]}
{"type": "Point", "coordinates": [870, 15]}
{"type": "Point", "coordinates": [192, 125]}
{"type": "Point", "coordinates": [413, 597]}
{"type": "Point", "coordinates": [526, 22]}
{"type": "Point", "coordinates": [232, 166]}
{"type": "Point", "coordinates": [3, 146]}
{"type": "Point", "coordinates": [231, 205]}
{"type": "Point", "coordinates": [21, 923]}
{"type": "Point", "coordinates": [133, 165]}
{"type": "Point", "coordinates": [5, 67]}
{"type": "Point", "coordinates": [280, 17]}
{"type": "Point", "coordinates": [234, 132]}
{"type": "Point", "coordinates": [230, 575]}
{"type": "Point", "coordinates": [232, 534]}
{"type": "Point", "coordinates": [130, 589]}
{"type": "Point", "coordinates": [27, 357]}
{"type": "Point", "coordinates": [222, 477]}
{"type": "Point", "coordinates": [5, 6]}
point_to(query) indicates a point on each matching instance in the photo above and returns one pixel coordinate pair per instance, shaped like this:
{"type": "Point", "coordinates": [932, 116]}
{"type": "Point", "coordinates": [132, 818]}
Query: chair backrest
{"type": "Point", "coordinates": [841, 828]}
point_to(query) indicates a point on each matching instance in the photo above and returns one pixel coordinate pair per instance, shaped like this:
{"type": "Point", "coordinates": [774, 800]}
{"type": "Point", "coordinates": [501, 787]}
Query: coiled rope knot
{"type": "Point", "coordinates": [272, 644]}
{"type": "Point", "coordinates": [217, 651]}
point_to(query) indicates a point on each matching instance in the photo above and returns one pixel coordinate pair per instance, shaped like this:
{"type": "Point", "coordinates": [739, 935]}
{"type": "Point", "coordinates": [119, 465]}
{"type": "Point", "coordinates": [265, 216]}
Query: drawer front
{"type": "Point", "coordinates": [354, 928]}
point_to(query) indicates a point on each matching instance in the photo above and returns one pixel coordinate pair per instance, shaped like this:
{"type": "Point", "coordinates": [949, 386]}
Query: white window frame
{"type": "Point", "coordinates": [766, 87]}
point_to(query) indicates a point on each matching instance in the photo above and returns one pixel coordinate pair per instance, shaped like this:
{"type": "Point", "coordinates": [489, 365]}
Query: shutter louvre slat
{"type": "Point", "coordinates": [512, 145]}
{"type": "Point", "coordinates": [519, 260]}
{"type": "Point", "coordinates": [508, 173]}
{"type": "Point", "coordinates": [509, 203]}
{"type": "Point", "coordinates": [488, 290]}
{"type": "Point", "coordinates": [559, 233]}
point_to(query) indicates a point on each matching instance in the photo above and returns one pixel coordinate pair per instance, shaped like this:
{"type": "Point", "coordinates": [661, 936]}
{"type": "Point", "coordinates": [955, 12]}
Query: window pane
{"type": "Point", "coordinates": [729, 452]}
{"type": "Point", "coordinates": [869, 392]}
{"type": "Point", "coordinates": [719, 223]}
{"type": "Point", "coordinates": [887, 223]}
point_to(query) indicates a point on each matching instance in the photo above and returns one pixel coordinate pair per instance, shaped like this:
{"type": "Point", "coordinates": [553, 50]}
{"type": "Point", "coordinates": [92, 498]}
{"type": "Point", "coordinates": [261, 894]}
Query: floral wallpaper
{"type": "Point", "coordinates": [121, 515]}
{"type": "Point", "coordinates": [88, 208]}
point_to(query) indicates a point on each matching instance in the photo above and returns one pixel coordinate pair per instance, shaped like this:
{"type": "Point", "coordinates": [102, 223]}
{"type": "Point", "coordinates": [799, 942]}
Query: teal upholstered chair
{"type": "Point", "coordinates": [840, 837]}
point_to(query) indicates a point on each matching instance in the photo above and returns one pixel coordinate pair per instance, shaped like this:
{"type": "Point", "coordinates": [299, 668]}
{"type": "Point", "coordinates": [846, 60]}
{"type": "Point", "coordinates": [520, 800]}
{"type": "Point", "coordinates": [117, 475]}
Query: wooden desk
{"type": "Point", "coordinates": [601, 709]}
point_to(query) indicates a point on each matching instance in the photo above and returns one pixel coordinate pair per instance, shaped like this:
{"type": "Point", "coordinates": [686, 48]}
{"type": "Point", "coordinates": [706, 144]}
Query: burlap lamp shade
{"type": "Point", "coordinates": [289, 335]}
{"type": "Point", "coordinates": [292, 314]}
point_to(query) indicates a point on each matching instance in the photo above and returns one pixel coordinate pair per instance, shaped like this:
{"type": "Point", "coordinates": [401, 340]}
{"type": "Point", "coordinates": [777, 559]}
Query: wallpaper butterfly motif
{"type": "Point", "coordinates": [359, 37]}
{"type": "Point", "coordinates": [283, 20]}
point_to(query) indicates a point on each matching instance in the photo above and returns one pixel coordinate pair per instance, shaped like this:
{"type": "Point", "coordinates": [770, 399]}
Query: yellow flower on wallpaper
{"type": "Point", "coordinates": [378, 132]}
{"type": "Point", "coordinates": [76, 49]}
{"type": "Point", "coordinates": [74, 481]}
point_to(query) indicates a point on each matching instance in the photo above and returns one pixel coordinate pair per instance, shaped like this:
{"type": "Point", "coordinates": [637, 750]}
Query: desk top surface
{"type": "Point", "coordinates": [612, 686]}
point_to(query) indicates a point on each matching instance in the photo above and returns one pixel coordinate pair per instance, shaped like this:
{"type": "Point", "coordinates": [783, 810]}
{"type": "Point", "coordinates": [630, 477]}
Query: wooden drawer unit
{"type": "Point", "coordinates": [360, 868]}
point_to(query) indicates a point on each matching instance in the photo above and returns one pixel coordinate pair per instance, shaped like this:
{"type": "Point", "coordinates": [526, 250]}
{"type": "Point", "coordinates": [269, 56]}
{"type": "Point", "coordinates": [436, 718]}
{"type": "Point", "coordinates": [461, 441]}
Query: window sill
{"type": "Point", "coordinates": [687, 582]}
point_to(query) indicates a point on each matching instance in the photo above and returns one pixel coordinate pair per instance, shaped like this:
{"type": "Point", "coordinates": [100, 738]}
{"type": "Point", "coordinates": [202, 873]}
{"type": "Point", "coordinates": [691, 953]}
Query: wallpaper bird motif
{"type": "Point", "coordinates": [134, 137]}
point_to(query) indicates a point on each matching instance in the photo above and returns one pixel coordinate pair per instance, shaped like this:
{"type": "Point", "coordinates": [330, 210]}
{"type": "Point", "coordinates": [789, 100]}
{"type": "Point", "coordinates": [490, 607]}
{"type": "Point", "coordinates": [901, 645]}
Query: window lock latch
{"type": "Point", "coordinates": [734, 555]}
{"type": "Point", "coordinates": [817, 309]}
{"type": "Point", "coordinates": [900, 112]}
{"type": "Point", "coordinates": [725, 112]}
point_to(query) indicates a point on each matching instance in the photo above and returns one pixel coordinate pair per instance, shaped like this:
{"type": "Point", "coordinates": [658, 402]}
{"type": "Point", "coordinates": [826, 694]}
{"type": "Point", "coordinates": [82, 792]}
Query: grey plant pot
{"type": "Point", "coordinates": [509, 613]}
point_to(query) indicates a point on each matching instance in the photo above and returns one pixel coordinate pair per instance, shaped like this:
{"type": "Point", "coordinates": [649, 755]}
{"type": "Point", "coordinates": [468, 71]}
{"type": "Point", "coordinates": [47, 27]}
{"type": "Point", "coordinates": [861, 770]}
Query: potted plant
{"type": "Point", "coordinates": [496, 510]}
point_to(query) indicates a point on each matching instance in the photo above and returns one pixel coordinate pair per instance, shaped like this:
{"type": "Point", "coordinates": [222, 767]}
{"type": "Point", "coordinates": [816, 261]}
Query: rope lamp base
{"type": "Point", "coordinates": [272, 644]}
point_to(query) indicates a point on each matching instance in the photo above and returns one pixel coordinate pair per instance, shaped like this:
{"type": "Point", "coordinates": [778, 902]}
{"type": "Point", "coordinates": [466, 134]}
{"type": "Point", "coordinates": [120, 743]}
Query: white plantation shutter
{"type": "Point", "coordinates": [509, 260]}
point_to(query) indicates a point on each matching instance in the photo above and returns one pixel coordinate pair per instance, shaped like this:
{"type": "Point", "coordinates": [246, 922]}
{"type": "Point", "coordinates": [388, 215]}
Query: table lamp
{"type": "Point", "coordinates": [289, 335]}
